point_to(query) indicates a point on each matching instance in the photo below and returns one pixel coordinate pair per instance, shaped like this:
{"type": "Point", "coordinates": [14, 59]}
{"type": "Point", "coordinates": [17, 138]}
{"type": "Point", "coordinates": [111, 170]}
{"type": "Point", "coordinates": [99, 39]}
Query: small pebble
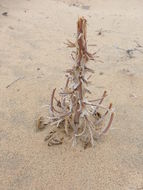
{"type": "Point", "coordinates": [75, 5]}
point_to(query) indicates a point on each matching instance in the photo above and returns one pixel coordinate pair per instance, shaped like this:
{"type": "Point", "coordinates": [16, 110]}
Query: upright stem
{"type": "Point", "coordinates": [80, 63]}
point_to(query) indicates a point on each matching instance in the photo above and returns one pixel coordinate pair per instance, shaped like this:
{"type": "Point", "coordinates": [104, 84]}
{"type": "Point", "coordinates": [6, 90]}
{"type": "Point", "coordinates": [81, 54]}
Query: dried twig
{"type": "Point", "coordinates": [130, 52]}
{"type": "Point", "coordinates": [19, 78]}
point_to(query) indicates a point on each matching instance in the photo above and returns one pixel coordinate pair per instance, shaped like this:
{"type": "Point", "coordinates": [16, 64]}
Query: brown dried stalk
{"type": "Point", "coordinates": [73, 110]}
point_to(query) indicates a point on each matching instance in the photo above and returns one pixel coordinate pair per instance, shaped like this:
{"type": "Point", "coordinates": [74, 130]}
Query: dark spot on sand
{"type": "Point", "coordinates": [5, 13]}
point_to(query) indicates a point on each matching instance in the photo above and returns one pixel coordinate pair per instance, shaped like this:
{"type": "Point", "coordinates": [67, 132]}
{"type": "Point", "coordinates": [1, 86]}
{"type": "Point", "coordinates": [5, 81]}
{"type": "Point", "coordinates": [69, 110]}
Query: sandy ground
{"type": "Point", "coordinates": [31, 46]}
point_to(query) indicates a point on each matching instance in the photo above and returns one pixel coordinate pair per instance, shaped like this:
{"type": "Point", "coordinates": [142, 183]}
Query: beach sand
{"type": "Point", "coordinates": [32, 51]}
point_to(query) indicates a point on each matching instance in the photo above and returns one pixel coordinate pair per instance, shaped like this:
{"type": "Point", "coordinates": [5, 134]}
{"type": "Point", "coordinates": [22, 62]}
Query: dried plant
{"type": "Point", "coordinates": [72, 110]}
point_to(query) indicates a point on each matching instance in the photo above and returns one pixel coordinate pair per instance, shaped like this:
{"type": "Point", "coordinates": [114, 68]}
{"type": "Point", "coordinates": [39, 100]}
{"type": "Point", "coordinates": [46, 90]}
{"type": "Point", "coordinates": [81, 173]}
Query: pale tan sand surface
{"type": "Point", "coordinates": [32, 37]}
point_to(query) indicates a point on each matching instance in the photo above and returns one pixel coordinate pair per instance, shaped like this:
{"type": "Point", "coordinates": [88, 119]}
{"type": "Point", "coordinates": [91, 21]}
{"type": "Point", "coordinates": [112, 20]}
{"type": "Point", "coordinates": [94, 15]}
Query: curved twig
{"type": "Point", "coordinates": [103, 96]}
{"type": "Point", "coordinates": [108, 126]}
{"type": "Point", "coordinates": [52, 100]}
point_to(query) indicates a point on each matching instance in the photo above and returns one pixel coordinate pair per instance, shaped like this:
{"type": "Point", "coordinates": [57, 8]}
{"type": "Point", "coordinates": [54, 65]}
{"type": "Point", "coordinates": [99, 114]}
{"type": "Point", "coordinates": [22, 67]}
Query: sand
{"type": "Point", "coordinates": [32, 50]}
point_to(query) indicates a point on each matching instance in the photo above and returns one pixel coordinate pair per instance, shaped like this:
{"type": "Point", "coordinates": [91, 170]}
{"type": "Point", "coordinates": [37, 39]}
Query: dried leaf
{"type": "Point", "coordinates": [55, 141]}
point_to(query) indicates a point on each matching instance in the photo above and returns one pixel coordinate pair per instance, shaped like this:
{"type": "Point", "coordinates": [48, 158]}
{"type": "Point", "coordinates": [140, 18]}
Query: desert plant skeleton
{"type": "Point", "coordinates": [72, 110]}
